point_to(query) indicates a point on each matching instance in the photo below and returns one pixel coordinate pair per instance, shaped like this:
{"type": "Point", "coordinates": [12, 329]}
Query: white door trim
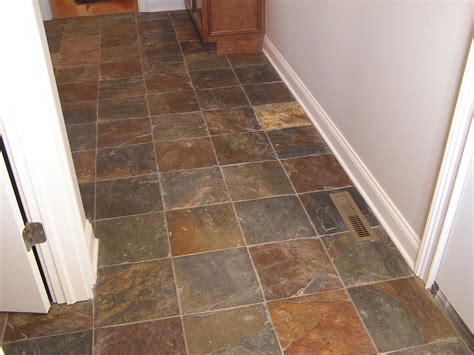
{"type": "Point", "coordinates": [452, 207]}
{"type": "Point", "coordinates": [438, 216]}
{"type": "Point", "coordinates": [35, 135]}
{"type": "Point", "coordinates": [46, 11]}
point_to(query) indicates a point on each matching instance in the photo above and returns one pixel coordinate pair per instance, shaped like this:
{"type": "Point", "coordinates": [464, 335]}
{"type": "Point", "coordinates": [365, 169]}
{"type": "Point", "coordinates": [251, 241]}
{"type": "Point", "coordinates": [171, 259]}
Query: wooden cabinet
{"type": "Point", "coordinates": [236, 26]}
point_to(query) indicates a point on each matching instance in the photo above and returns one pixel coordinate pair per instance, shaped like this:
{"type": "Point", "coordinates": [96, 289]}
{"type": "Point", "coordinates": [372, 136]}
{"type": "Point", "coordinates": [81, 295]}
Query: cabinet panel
{"type": "Point", "coordinates": [234, 17]}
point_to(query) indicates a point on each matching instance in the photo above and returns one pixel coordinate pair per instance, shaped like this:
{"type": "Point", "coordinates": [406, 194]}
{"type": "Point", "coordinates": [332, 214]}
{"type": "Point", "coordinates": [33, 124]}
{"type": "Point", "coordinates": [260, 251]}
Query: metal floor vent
{"type": "Point", "coordinates": [352, 216]}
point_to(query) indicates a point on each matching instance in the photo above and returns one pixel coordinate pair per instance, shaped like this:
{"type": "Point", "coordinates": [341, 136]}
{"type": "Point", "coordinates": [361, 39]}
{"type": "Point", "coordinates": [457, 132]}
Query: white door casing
{"type": "Point", "coordinates": [33, 128]}
{"type": "Point", "coordinates": [21, 286]}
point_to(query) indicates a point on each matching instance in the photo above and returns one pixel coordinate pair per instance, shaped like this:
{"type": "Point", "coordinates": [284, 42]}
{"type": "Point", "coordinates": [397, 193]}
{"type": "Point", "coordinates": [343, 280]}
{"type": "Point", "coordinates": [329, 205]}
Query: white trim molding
{"type": "Point", "coordinates": [36, 139]}
{"type": "Point", "coordinates": [160, 5]}
{"type": "Point", "coordinates": [399, 230]}
{"type": "Point", "coordinates": [446, 180]}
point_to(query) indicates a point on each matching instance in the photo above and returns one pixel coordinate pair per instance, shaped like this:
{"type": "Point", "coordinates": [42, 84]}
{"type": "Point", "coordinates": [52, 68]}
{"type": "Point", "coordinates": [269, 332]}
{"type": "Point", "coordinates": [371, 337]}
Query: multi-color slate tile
{"type": "Point", "coordinates": [146, 291]}
{"type": "Point", "coordinates": [132, 238]}
{"type": "Point", "coordinates": [154, 337]}
{"type": "Point", "coordinates": [245, 330]}
{"type": "Point", "coordinates": [273, 219]}
{"type": "Point", "coordinates": [400, 314]}
{"type": "Point", "coordinates": [202, 229]}
{"type": "Point", "coordinates": [320, 324]}
{"type": "Point", "coordinates": [362, 262]}
{"type": "Point", "coordinates": [294, 268]}
{"type": "Point", "coordinates": [208, 188]}
{"type": "Point", "coordinates": [216, 280]}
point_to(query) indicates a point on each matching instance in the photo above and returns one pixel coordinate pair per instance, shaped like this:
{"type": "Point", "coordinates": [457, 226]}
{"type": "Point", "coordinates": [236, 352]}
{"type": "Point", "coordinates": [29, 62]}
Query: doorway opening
{"type": "Point", "coordinates": [71, 8]}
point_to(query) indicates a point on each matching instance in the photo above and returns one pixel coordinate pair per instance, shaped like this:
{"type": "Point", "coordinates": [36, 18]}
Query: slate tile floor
{"type": "Point", "coordinates": [208, 187]}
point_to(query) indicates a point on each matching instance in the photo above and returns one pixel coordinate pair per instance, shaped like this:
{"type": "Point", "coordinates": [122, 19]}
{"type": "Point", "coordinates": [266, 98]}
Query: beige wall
{"type": "Point", "coordinates": [387, 74]}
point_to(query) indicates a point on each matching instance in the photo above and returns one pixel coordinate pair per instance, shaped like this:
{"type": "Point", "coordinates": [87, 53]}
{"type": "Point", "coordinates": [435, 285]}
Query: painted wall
{"type": "Point", "coordinates": [387, 73]}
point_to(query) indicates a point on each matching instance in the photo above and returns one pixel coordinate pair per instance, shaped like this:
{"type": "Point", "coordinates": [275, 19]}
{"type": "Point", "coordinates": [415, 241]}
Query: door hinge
{"type": "Point", "coordinates": [33, 234]}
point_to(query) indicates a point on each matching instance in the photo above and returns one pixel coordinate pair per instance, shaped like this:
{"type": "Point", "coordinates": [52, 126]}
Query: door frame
{"type": "Point", "coordinates": [34, 132]}
{"type": "Point", "coordinates": [439, 220]}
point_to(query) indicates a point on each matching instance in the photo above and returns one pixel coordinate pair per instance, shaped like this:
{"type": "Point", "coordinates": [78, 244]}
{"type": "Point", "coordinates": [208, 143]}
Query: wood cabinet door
{"type": "Point", "coordinates": [230, 17]}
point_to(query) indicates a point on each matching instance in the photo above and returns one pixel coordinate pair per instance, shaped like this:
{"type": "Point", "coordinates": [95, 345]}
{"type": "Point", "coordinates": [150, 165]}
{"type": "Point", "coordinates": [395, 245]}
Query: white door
{"type": "Point", "coordinates": [455, 277]}
{"type": "Point", "coordinates": [21, 286]}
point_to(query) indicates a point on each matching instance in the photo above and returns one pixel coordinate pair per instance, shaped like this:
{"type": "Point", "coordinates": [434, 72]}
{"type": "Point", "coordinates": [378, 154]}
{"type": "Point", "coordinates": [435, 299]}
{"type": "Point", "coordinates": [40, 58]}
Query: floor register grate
{"type": "Point", "coordinates": [352, 216]}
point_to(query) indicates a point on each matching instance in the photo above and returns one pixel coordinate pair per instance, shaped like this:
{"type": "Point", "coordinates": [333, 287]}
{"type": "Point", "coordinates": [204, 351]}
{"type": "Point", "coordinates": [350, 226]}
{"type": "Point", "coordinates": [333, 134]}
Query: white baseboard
{"type": "Point", "coordinates": [94, 248]}
{"type": "Point", "coordinates": [160, 5]}
{"type": "Point", "coordinates": [402, 235]}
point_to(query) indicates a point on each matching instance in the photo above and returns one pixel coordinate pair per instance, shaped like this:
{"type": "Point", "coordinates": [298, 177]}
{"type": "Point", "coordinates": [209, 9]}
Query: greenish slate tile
{"type": "Point", "coordinates": [400, 314]}
{"type": "Point", "coordinates": [362, 262]}
{"type": "Point", "coordinates": [273, 219]}
{"type": "Point", "coordinates": [74, 343]}
{"type": "Point", "coordinates": [245, 330]}
{"type": "Point", "coordinates": [132, 238]}
{"type": "Point", "coordinates": [216, 280]}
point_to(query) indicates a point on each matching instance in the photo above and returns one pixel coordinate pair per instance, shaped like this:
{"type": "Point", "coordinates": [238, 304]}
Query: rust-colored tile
{"type": "Point", "coordinates": [297, 141]}
{"type": "Point", "coordinates": [77, 92]}
{"type": "Point", "coordinates": [255, 180]}
{"type": "Point", "coordinates": [451, 346]}
{"type": "Point", "coordinates": [206, 60]}
{"type": "Point", "coordinates": [147, 38]}
{"type": "Point", "coordinates": [263, 94]}
{"type": "Point", "coordinates": [244, 330]}
{"type": "Point", "coordinates": [281, 115]}
{"type": "Point", "coordinates": [245, 59]}
{"type": "Point", "coordinates": [216, 280]}
{"type": "Point", "coordinates": [163, 65]}
{"type": "Point", "coordinates": [134, 292]}
{"type": "Point", "coordinates": [54, 44]}
{"type": "Point", "coordinates": [3, 319]}
{"type": "Point", "coordinates": [173, 102]}
{"type": "Point", "coordinates": [77, 74]}
{"type": "Point", "coordinates": [203, 229]}
{"type": "Point", "coordinates": [193, 188]}
{"type": "Point", "coordinates": [156, 337]}
{"type": "Point", "coordinates": [79, 44]}
{"type": "Point", "coordinates": [168, 82]}
{"type": "Point", "coordinates": [80, 112]}
{"type": "Point", "coordinates": [60, 319]}
{"type": "Point", "coordinates": [400, 314]}
{"type": "Point", "coordinates": [118, 40]}
{"type": "Point", "coordinates": [84, 162]}
{"type": "Point", "coordinates": [214, 78]}
{"type": "Point", "coordinates": [185, 154]}
{"type": "Point", "coordinates": [294, 268]}
{"type": "Point", "coordinates": [324, 323]}
{"type": "Point", "coordinates": [125, 161]}
{"type": "Point", "coordinates": [237, 120]}
{"type": "Point", "coordinates": [154, 25]}
{"type": "Point", "coordinates": [273, 219]}
{"type": "Point", "coordinates": [123, 87]}
{"type": "Point", "coordinates": [161, 49]}
{"type": "Point", "coordinates": [117, 54]}
{"type": "Point", "coordinates": [179, 126]}
{"type": "Point", "coordinates": [122, 108]}
{"type": "Point", "coordinates": [89, 57]}
{"type": "Point", "coordinates": [123, 69]}
{"type": "Point", "coordinates": [123, 197]}
{"type": "Point", "coordinates": [257, 74]}
{"type": "Point", "coordinates": [132, 238]}
{"type": "Point", "coordinates": [149, 16]}
{"type": "Point", "coordinates": [82, 136]}
{"type": "Point", "coordinates": [178, 14]}
{"type": "Point", "coordinates": [222, 98]}
{"type": "Point", "coordinates": [317, 172]}
{"type": "Point", "coordinates": [123, 132]}
{"type": "Point", "coordinates": [187, 34]}
{"type": "Point", "coordinates": [242, 147]}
